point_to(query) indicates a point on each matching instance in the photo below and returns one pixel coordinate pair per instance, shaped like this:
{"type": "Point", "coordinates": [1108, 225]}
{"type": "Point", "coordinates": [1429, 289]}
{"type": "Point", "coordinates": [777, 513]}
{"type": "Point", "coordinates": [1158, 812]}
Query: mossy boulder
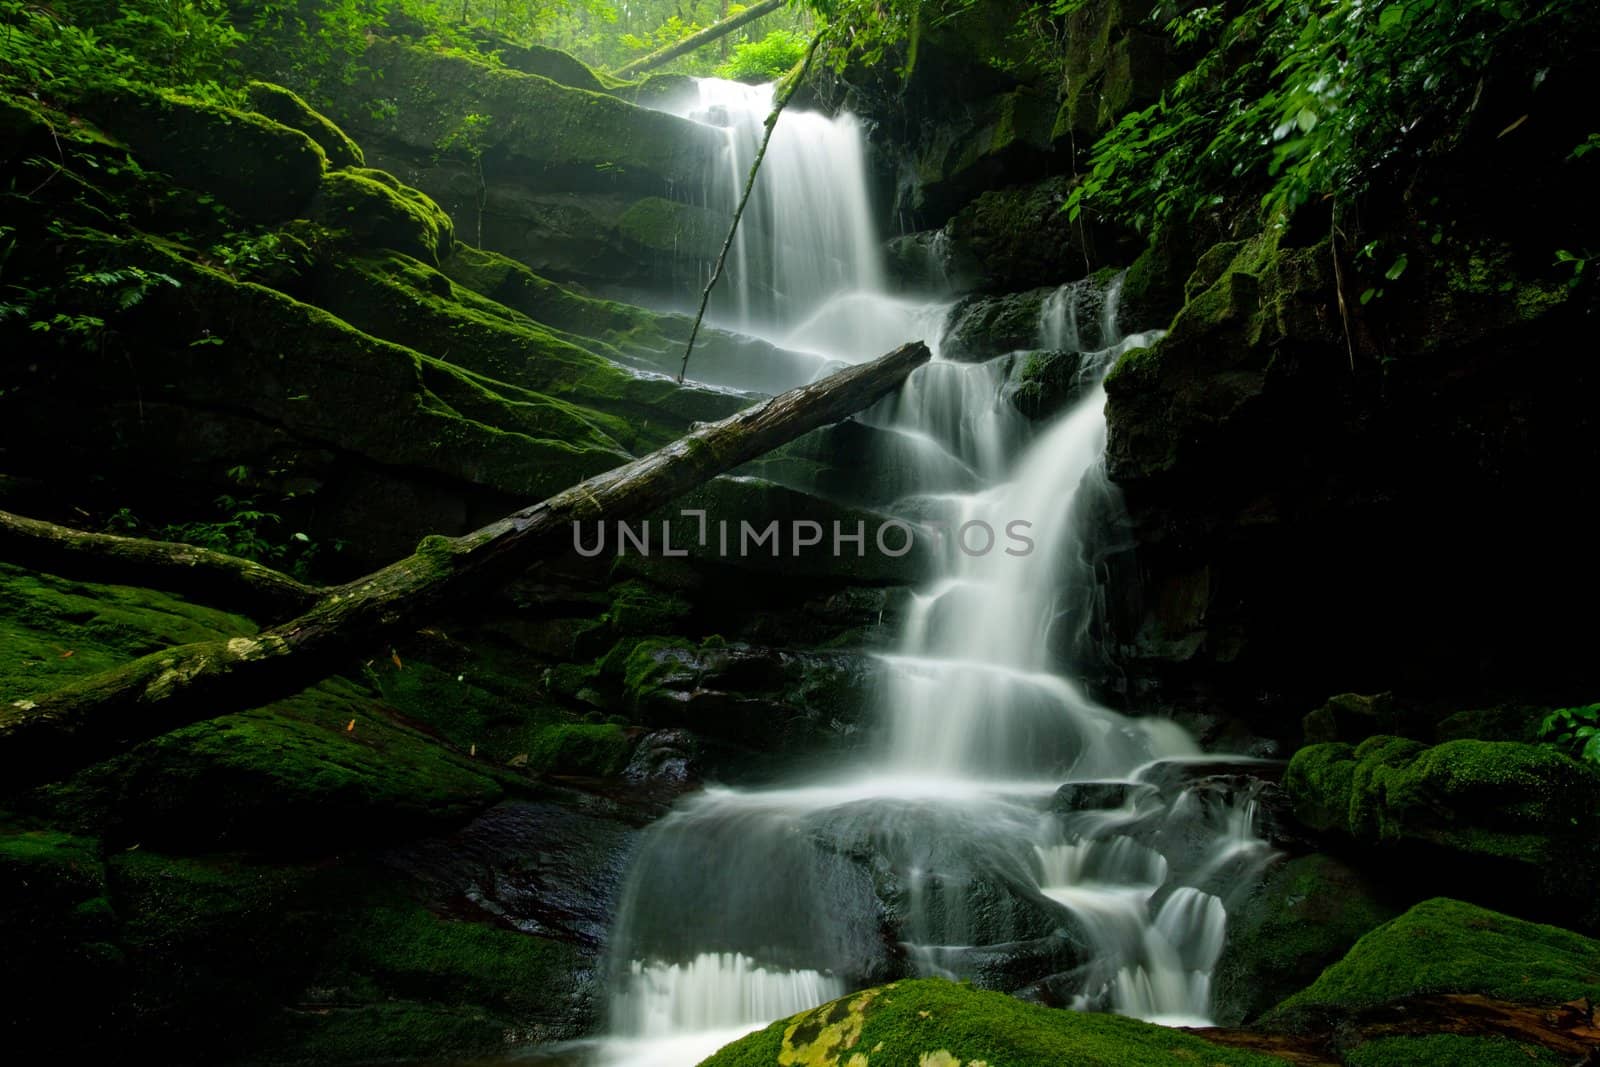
{"type": "Point", "coordinates": [261, 169]}
{"type": "Point", "coordinates": [1305, 915]}
{"type": "Point", "coordinates": [379, 212]}
{"type": "Point", "coordinates": [1046, 382]}
{"type": "Point", "coordinates": [1519, 817]}
{"type": "Point", "coordinates": [285, 106]}
{"type": "Point", "coordinates": [982, 327]}
{"type": "Point", "coordinates": [935, 1023]}
{"type": "Point", "coordinates": [1444, 946]}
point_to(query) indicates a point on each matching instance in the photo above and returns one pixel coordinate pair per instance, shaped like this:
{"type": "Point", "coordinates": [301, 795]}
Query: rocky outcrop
{"type": "Point", "coordinates": [570, 180]}
{"type": "Point", "coordinates": [1286, 479]}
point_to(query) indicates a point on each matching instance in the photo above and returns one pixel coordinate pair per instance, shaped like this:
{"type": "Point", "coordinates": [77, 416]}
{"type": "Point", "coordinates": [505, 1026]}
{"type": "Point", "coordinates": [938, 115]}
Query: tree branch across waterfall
{"type": "Point", "coordinates": [785, 93]}
{"type": "Point", "coordinates": [53, 733]}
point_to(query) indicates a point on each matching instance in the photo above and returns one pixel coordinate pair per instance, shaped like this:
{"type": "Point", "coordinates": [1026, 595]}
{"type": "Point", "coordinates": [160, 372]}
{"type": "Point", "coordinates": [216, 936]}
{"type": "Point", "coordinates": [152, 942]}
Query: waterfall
{"type": "Point", "coordinates": [1002, 823]}
{"type": "Point", "coordinates": [805, 269]}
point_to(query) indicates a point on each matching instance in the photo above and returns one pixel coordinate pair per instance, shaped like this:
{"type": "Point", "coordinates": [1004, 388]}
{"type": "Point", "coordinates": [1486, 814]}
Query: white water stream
{"type": "Point", "coordinates": [944, 849]}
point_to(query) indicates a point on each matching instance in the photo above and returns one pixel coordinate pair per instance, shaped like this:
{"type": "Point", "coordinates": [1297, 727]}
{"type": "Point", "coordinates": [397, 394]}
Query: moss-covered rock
{"type": "Point", "coordinates": [555, 135]}
{"type": "Point", "coordinates": [234, 374]}
{"type": "Point", "coordinates": [578, 396]}
{"type": "Point", "coordinates": [397, 981]}
{"type": "Point", "coordinates": [53, 630]}
{"type": "Point", "coordinates": [1351, 717]}
{"type": "Point", "coordinates": [285, 106]}
{"type": "Point", "coordinates": [982, 327]}
{"type": "Point", "coordinates": [1046, 382]}
{"type": "Point", "coordinates": [1518, 816]}
{"type": "Point", "coordinates": [261, 169]}
{"type": "Point", "coordinates": [1017, 238]}
{"type": "Point", "coordinates": [310, 774]}
{"type": "Point", "coordinates": [667, 228]}
{"type": "Point", "coordinates": [1113, 63]}
{"type": "Point", "coordinates": [381, 213]}
{"type": "Point", "coordinates": [1305, 915]}
{"type": "Point", "coordinates": [934, 1023]}
{"type": "Point", "coordinates": [1446, 946]}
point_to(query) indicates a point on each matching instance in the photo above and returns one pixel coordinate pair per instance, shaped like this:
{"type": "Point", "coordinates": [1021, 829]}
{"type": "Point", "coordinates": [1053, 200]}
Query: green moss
{"type": "Point", "coordinates": [53, 630]}
{"type": "Point", "coordinates": [260, 168]}
{"type": "Point", "coordinates": [396, 982]}
{"type": "Point", "coordinates": [1524, 805]}
{"type": "Point", "coordinates": [285, 106]}
{"type": "Point", "coordinates": [1446, 946]}
{"type": "Point", "coordinates": [645, 664]}
{"type": "Point", "coordinates": [637, 608]}
{"type": "Point", "coordinates": [934, 1023]}
{"type": "Point", "coordinates": [170, 901]}
{"type": "Point", "coordinates": [667, 226]}
{"type": "Point", "coordinates": [305, 775]}
{"type": "Point", "coordinates": [1509, 722]}
{"type": "Point", "coordinates": [310, 375]}
{"type": "Point", "coordinates": [1318, 783]}
{"type": "Point", "coordinates": [587, 397]}
{"type": "Point", "coordinates": [1450, 1050]}
{"type": "Point", "coordinates": [45, 872]}
{"type": "Point", "coordinates": [564, 135]}
{"type": "Point", "coordinates": [1306, 915]}
{"type": "Point", "coordinates": [382, 213]}
{"type": "Point", "coordinates": [595, 749]}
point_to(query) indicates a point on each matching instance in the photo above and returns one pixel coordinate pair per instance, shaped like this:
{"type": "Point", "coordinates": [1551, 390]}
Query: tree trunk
{"type": "Point", "coordinates": [198, 573]}
{"type": "Point", "coordinates": [54, 733]}
{"type": "Point", "coordinates": [698, 40]}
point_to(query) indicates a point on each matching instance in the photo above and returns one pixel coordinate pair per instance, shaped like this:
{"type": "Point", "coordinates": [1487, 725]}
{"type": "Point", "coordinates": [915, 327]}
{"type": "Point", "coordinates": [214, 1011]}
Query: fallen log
{"type": "Point", "coordinates": [197, 573]}
{"type": "Point", "coordinates": [49, 735]}
{"type": "Point", "coordinates": [697, 40]}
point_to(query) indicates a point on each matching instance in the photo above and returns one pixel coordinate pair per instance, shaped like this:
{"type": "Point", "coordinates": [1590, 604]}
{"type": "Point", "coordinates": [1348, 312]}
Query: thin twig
{"type": "Point", "coordinates": [782, 101]}
{"type": "Point", "coordinates": [1338, 284]}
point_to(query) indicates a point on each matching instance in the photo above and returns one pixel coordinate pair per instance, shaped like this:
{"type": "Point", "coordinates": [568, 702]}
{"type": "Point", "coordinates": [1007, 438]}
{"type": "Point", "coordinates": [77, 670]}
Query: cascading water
{"type": "Point", "coordinates": [1003, 827]}
{"type": "Point", "coordinates": [805, 269]}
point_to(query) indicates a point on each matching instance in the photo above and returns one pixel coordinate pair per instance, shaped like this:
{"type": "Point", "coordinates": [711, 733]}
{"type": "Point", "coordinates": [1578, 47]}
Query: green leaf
{"type": "Point", "coordinates": [1397, 269]}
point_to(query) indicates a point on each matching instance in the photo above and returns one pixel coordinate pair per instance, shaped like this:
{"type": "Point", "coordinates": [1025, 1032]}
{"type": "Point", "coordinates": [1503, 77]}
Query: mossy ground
{"type": "Point", "coordinates": [934, 1023]}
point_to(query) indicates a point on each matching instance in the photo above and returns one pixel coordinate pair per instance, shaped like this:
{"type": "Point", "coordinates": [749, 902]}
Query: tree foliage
{"type": "Point", "coordinates": [1313, 98]}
